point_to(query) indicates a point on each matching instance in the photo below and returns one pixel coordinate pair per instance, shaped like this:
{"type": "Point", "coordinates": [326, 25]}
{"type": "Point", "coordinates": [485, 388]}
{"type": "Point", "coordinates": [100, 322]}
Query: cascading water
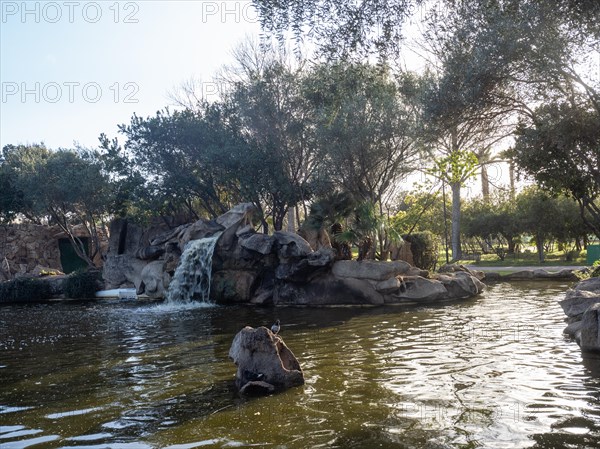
{"type": "Point", "coordinates": [191, 281]}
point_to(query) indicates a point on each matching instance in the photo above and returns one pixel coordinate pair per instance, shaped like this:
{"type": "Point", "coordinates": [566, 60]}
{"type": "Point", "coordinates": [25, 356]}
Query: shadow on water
{"type": "Point", "coordinates": [591, 362]}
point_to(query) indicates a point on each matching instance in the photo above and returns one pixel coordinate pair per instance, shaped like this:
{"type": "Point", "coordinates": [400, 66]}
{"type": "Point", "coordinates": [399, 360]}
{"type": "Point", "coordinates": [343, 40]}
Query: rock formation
{"type": "Point", "coordinates": [278, 269]}
{"type": "Point", "coordinates": [264, 363]}
{"type": "Point", "coordinates": [582, 307]}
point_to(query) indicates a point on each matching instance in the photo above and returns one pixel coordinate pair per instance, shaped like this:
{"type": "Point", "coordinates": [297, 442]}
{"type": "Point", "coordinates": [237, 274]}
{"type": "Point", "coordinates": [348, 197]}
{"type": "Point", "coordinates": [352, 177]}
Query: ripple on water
{"type": "Point", "coordinates": [491, 372]}
{"type": "Point", "coordinates": [21, 444]}
{"type": "Point", "coordinates": [72, 413]}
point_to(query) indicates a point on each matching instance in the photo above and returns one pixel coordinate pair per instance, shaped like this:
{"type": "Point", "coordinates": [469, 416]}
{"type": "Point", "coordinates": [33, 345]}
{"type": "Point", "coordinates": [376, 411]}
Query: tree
{"type": "Point", "coordinates": [461, 123]}
{"type": "Point", "coordinates": [366, 129]}
{"type": "Point", "coordinates": [183, 161]}
{"type": "Point", "coordinates": [364, 225]}
{"type": "Point", "coordinates": [341, 28]}
{"type": "Point", "coordinates": [539, 52]}
{"type": "Point", "coordinates": [419, 211]}
{"type": "Point", "coordinates": [537, 213]}
{"type": "Point", "coordinates": [65, 187]}
{"type": "Point", "coordinates": [364, 124]}
{"type": "Point", "coordinates": [494, 222]}
{"type": "Point", "coordinates": [337, 27]}
{"type": "Point", "coordinates": [455, 169]}
{"type": "Point", "coordinates": [560, 149]}
{"type": "Point", "coordinates": [11, 199]}
{"type": "Point", "coordinates": [266, 98]}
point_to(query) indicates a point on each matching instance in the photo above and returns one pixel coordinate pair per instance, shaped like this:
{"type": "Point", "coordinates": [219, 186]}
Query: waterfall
{"type": "Point", "coordinates": [191, 281]}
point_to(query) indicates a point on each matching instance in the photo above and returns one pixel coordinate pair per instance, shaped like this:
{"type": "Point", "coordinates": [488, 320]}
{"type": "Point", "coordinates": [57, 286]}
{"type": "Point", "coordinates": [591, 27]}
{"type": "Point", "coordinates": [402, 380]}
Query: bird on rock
{"type": "Point", "coordinates": [276, 327]}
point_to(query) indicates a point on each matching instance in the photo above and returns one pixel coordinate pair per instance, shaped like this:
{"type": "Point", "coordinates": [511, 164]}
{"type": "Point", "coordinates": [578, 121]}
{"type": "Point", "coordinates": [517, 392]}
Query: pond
{"type": "Point", "coordinates": [494, 371]}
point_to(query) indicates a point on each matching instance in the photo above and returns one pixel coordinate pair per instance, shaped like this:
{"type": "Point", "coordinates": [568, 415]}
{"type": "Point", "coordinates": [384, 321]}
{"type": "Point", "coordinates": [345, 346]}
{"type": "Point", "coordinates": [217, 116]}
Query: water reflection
{"type": "Point", "coordinates": [490, 372]}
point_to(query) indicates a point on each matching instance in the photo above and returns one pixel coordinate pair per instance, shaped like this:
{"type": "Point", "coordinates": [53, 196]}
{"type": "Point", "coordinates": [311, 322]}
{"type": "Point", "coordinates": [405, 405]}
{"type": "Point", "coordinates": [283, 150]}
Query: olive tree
{"type": "Point", "coordinates": [65, 187]}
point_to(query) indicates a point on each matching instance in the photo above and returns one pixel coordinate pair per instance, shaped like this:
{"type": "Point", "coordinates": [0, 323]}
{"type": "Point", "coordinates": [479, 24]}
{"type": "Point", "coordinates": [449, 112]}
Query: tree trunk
{"type": "Point", "coordinates": [278, 217]}
{"type": "Point", "coordinates": [291, 219]}
{"type": "Point", "coordinates": [539, 243]}
{"type": "Point", "coordinates": [365, 248]}
{"type": "Point", "coordinates": [265, 226]}
{"type": "Point", "coordinates": [485, 184]}
{"type": "Point", "coordinates": [298, 217]}
{"type": "Point", "coordinates": [511, 244]}
{"type": "Point", "coordinates": [511, 174]}
{"type": "Point", "coordinates": [456, 250]}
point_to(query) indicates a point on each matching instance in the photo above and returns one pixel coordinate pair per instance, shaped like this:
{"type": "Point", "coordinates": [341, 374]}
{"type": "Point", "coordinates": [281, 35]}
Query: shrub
{"type": "Point", "coordinates": [424, 248]}
{"type": "Point", "coordinates": [570, 256]}
{"type": "Point", "coordinates": [81, 284]}
{"type": "Point", "coordinates": [591, 272]}
{"type": "Point", "coordinates": [25, 290]}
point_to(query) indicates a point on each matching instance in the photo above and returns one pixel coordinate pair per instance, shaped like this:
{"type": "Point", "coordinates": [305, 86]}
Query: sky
{"type": "Point", "coordinates": [71, 70]}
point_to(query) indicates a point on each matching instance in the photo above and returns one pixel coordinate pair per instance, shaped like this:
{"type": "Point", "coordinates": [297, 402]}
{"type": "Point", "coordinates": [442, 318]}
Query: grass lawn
{"type": "Point", "coordinates": [525, 259]}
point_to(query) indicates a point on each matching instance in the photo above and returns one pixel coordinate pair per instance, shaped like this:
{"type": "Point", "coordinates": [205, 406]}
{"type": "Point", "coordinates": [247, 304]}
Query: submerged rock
{"type": "Point", "coordinates": [264, 363]}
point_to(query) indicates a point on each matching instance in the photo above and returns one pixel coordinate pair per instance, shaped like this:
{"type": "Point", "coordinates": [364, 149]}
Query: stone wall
{"type": "Point", "coordinates": [27, 246]}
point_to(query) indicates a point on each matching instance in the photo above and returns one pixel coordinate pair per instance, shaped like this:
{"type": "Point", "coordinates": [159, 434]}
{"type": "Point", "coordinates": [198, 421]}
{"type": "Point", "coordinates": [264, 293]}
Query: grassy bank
{"type": "Point", "coordinates": [557, 258]}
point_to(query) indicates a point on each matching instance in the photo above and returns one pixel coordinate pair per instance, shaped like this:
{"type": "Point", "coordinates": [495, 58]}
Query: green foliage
{"type": "Point", "coordinates": [24, 290]}
{"type": "Point", "coordinates": [81, 284]}
{"type": "Point", "coordinates": [596, 269]}
{"type": "Point", "coordinates": [363, 226]}
{"type": "Point", "coordinates": [253, 145]}
{"type": "Point", "coordinates": [424, 248]}
{"type": "Point", "coordinates": [338, 28]}
{"type": "Point", "coordinates": [494, 222]}
{"type": "Point", "coordinates": [11, 199]}
{"type": "Point", "coordinates": [546, 217]}
{"type": "Point", "coordinates": [592, 272]}
{"type": "Point", "coordinates": [330, 209]}
{"type": "Point", "coordinates": [456, 167]}
{"type": "Point", "coordinates": [277, 165]}
{"type": "Point", "coordinates": [419, 211]}
{"type": "Point", "coordinates": [364, 125]}
{"type": "Point", "coordinates": [67, 187]}
{"type": "Point", "coordinates": [174, 159]}
{"type": "Point", "coordinates": [561, 150]}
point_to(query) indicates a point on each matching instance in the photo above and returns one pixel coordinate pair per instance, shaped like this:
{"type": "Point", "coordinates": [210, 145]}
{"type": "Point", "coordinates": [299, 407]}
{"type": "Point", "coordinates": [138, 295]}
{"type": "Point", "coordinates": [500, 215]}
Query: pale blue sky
{"type": "Point", "coordinates": [70, 70]}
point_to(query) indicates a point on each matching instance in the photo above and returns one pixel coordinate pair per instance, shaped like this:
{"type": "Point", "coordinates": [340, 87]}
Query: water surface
{"type": "Point", "coordinates": [494, 372]}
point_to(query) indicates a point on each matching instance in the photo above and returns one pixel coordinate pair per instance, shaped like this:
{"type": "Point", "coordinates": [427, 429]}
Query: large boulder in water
{"type": "Point", "coordinates": [580, 298]}
{"type": "Point", "coordinates": [154, 280]}
{"type": "Point", "coordinates": [582, 307]}
{"type": "Point", "coordinates": [250, 267]}
{"type": "Point", "coordinates": [369, 269]}
{"type": "Point", "coordinates": [264, 363]}
{"type": "Point", "coordinates": [590, 329]}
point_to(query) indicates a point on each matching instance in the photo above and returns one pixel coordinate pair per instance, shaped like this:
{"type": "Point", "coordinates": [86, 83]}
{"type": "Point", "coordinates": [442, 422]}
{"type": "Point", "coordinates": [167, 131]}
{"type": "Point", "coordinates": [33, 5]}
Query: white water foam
{"type": "Point", "coordinates": [191, 282]}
